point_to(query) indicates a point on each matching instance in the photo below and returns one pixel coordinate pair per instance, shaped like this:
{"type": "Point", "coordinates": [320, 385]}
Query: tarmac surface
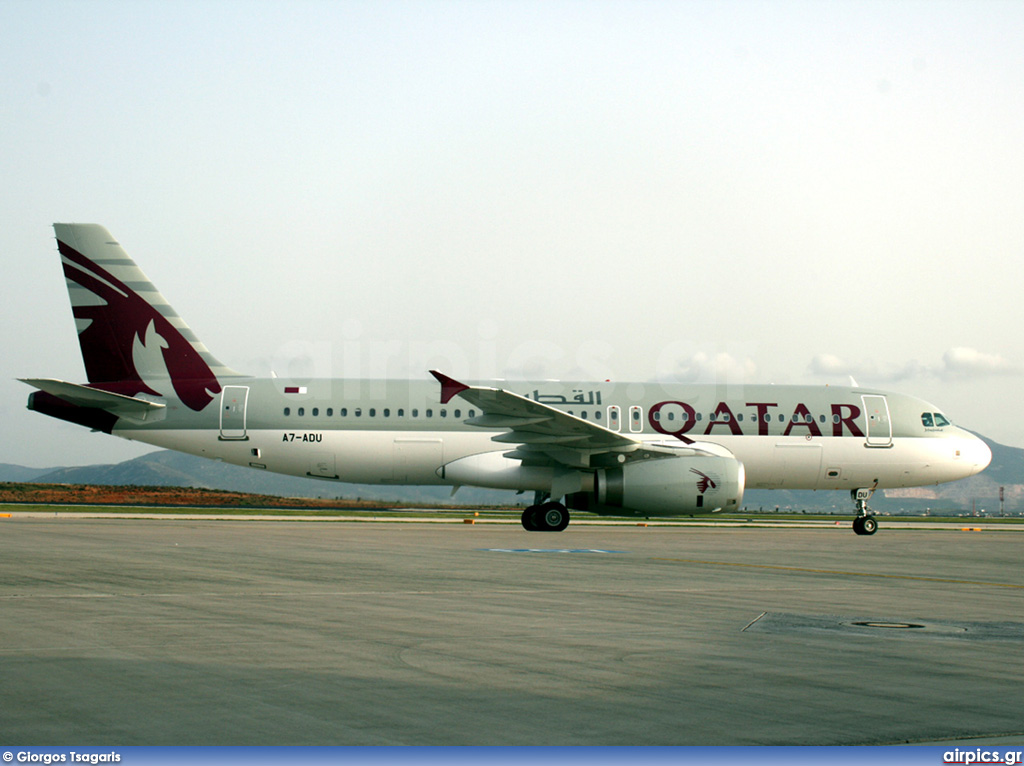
{"type": "Point", "coordinates": [179, 632]}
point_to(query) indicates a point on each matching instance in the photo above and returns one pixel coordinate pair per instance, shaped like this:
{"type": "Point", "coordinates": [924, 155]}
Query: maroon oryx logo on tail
{"type": "Point", "coordinates": [124, 323]}
{"type": "Point", "coordinates": [705, 483]}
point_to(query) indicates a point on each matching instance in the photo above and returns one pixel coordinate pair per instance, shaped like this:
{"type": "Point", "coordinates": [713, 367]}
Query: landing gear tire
{"type": "Point", "coordinates": [865, 525]}
{"type": "Point", "coordinates": [548, 517]}
{"type": "Point", "coordinates": [529, 524]}
{"type": "Point", "coordinates": [552, 517]}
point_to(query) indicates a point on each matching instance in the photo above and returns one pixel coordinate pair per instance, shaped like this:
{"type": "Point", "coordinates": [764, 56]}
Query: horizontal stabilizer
{"type": "Point", "coordinates": [122, 406]}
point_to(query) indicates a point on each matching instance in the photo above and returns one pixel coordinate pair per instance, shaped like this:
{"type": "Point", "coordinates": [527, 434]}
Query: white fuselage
{"type": "Point", "coordinates": [809, 438]}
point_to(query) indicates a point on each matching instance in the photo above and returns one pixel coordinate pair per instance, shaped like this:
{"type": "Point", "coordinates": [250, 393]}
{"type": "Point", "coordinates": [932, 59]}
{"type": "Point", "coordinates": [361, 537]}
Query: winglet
{"type": "Point", "coordinates": [449, 386]}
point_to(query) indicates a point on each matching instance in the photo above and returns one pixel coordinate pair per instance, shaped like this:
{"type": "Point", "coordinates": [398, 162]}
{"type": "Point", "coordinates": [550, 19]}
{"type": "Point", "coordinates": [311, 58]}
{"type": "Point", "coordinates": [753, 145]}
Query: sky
{"type": "Point", "coordinates": [739, 192]}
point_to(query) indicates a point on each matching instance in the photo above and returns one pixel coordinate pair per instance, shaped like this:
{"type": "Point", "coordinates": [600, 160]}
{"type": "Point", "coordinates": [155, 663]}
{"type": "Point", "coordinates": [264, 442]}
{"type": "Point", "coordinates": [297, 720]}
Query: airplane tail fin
{"type": "Point", "coordinates": [132, 341]}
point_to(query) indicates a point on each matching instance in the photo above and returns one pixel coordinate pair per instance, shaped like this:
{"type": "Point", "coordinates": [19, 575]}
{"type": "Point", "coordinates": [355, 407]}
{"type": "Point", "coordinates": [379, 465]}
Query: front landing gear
{"type": "Point", "coordinates": [865, 523]}
{"type": "Point", "coordinates": [545, 517]}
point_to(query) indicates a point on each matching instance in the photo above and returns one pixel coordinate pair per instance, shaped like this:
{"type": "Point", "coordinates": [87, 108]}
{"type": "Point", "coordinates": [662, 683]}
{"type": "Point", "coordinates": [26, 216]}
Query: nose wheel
{"type": "Point", "coordinates": [865, 523]}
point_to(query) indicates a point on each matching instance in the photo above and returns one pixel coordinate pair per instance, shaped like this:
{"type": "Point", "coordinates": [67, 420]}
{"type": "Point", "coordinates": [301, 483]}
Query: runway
{"type": "Point", "coordinates": [180, 632]}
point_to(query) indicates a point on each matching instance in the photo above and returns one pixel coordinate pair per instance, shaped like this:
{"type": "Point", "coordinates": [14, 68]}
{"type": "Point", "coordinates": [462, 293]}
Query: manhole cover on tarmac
{"type": "Point", "coordinates": [779, 622]}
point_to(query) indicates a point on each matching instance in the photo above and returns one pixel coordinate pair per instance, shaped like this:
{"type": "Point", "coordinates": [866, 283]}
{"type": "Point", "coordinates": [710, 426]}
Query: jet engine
{"type": "Point", "coordinates": [671, 486]}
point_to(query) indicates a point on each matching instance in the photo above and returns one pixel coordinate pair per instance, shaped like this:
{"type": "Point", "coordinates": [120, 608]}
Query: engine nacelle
{"type": "Point", "coordinates": [673, 486]}
{"type": "Point", "coordinates": [494, 470]}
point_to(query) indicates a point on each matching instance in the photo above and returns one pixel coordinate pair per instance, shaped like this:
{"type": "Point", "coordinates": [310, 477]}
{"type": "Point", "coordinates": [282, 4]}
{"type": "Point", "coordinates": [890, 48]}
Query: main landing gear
{"type": "Point", "coordinates": [865, 523]}
{"type": "Point", "coordinates": [545, 516]}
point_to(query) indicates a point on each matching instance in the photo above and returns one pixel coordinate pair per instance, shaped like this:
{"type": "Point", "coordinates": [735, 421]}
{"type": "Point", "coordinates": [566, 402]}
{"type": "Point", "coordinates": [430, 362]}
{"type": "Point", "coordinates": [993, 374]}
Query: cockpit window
{"type": "Point", "coordinates": [934, 420]}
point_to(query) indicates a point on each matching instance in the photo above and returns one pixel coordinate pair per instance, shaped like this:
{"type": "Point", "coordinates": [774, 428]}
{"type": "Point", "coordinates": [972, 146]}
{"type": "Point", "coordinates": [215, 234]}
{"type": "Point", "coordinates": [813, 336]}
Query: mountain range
{"type": "Point", "coordinates": [174, 469]}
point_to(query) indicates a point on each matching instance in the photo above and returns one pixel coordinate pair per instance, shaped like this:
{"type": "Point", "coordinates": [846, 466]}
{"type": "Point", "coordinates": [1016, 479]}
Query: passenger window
{"type": "Point", "coordinates": [940, 420]}
{"type": "Point", "coordinates": [926, 419]}
{"type": "Point", "coordinates": [330, 411]}
{"type": "Point", "coordinates": [287, 411]}
{"type": "Point", "coordinates": [444, 413]}
{"type": "Point", "coordinates": [316, 411]}
{"type": "Point", "coordinates": [430, 413]}
{"type": "Point", "coordinates": [387, 413]}
{"type": "Point", "coordinates": [401, 413]}
{"type": "Point", "coordinates": [373, 412]}
{"type": "Point", "coordinates": [597, 415]}
{"type": "Point", "coordinates": [415, 413]}
{"type": "Point", "coordinates": [358, 412]}
{"type": "Point", "coordinates": [458, 413]}
{"type": "Point", "coordinates": [343, 412]}
{"type": "Point", "coordinates": [302, 411]}
{"type": "Point", "coordinates": [472, 413]}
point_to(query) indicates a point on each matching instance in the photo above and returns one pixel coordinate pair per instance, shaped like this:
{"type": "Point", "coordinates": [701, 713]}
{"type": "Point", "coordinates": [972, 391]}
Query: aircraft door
{"type": "Point", "coordinates": [879, 425]}
{"type": "Point", "coordinates": [233, 401]}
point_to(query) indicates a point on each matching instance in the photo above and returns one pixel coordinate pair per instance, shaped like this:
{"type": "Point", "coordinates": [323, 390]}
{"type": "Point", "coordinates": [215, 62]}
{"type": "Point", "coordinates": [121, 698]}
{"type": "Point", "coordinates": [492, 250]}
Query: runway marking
{"type": "Point", "coordinates": [844, 573]}
{"type": "Point", "coordinates": [266, 594]}
{"type": "Point", "coordinates": [754, 620]}
{"type": "Point", "coordinates": [547, 550]}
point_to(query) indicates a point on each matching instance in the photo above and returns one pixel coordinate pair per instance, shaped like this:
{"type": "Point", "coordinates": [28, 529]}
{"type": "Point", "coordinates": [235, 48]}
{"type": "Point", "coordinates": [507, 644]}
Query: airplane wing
{"type": "Point", "coordinates": [544, 435]}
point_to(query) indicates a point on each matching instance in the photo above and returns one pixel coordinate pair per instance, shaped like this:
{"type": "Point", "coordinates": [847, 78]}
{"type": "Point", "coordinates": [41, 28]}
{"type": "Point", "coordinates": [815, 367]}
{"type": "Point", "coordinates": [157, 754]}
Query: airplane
{"type": "Point", "coordinates": [621, 449]}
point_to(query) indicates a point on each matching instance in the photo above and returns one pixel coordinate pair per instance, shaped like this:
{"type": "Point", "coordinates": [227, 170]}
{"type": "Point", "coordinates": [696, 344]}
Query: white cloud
{"type": "Point", "coordinates": [963, 362]}
{"type": "Point", "coordinates": [702, 367]}
{"type": "Point", "coordinates": [829, 365]}
{"type": "Point", "coordinates": [958, 363]}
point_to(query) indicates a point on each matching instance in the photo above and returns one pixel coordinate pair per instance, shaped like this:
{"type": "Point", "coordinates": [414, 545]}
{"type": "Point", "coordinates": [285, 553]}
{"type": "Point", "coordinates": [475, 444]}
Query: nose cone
{"type": "Point", "coordinates": [975, 454]}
